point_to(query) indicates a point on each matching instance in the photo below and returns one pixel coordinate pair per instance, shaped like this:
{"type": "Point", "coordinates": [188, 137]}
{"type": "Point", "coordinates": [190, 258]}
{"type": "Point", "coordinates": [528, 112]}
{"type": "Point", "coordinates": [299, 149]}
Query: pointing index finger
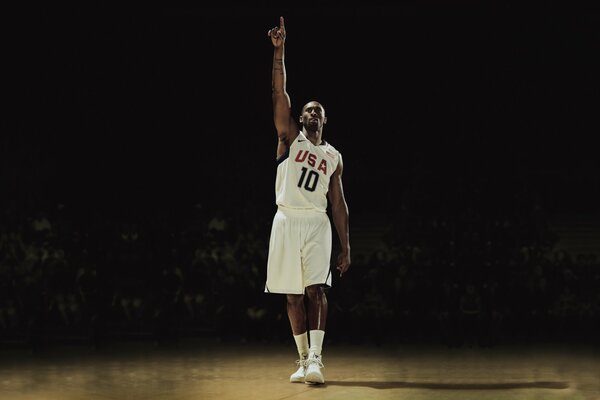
{"type": "Point", "coordinates": [281, 24]}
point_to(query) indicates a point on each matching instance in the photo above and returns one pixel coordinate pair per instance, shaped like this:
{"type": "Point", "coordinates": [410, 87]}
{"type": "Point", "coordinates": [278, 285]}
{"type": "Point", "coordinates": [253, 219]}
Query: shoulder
{"type": "Point", "coordinates": [332, 152]}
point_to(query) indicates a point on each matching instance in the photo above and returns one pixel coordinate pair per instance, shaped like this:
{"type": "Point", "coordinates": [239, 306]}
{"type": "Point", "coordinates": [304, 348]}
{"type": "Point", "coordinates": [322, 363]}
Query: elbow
{"type": "Point", "coordinates": [279, 95]}
{"type": "Point", "coordinates": [340, 210]}
{"type": "Point", "coordinates": [343, 206]}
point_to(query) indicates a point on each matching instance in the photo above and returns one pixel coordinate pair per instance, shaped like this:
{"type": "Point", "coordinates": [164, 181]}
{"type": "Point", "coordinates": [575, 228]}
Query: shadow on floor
{"type": "Point", "coordinates": [452, 386]}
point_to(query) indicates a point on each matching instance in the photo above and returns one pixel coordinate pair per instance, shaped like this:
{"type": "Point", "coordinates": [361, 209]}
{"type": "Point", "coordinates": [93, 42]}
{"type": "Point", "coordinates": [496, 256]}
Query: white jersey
{"type": "Point", "coordinates": [303, 174]}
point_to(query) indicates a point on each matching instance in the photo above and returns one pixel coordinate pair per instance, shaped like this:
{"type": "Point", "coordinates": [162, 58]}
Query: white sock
{"type": "Point", "coordinates": [302, 344]}
{"type": "Point", "coordinates": [316, 341]}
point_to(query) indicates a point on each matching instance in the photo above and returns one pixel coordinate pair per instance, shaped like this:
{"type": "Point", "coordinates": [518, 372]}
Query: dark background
{"type": "Point", "coordinates": [141, 114]}
{"type": "Point", "coordinates": [176, 102]}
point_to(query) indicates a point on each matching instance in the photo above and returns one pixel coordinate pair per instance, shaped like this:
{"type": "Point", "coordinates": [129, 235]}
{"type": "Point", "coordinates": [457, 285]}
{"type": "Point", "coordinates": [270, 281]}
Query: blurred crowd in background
{"type": "Point", "coordinates": [462, 271]}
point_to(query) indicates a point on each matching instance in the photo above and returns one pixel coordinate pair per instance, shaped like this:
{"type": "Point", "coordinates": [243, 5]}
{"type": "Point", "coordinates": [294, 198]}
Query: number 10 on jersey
{"type": "Point", "coordinates": [308, 180]}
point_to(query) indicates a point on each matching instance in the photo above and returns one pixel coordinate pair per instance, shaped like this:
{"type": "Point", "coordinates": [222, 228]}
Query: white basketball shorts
{"type": "Point", "coordinates": [299, 251]}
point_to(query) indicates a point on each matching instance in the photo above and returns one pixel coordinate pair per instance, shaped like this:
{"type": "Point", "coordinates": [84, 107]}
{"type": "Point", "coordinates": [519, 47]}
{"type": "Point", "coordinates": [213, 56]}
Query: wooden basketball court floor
{"type": "Point", "coordinates": [209, 369]}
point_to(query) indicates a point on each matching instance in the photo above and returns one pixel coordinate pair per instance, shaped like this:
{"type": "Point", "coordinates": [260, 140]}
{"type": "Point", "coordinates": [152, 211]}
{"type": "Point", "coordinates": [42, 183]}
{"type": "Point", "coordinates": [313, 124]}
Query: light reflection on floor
{"type": "Point", "coordinates": [207, 369]}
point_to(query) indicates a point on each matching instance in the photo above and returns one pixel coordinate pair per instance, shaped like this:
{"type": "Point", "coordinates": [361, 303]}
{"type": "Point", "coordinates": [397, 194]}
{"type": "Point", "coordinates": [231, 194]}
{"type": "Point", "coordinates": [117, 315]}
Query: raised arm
{"type": "Point", "coordinates": [339, 211]}
{"type": "Point", "coordinates": [287, 130]}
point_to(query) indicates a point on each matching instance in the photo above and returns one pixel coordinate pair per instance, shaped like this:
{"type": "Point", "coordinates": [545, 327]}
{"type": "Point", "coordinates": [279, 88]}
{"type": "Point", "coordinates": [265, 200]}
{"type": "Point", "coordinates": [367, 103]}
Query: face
{"type": "Point", "coordinates": [313, 116]}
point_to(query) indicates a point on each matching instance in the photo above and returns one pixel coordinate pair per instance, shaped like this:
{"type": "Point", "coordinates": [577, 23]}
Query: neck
{"type": "Point", "coordinates": [313, 136]}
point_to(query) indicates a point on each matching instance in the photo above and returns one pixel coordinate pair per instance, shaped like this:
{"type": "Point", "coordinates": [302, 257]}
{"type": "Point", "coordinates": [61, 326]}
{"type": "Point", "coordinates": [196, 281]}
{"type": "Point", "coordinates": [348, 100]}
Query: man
{"type": "Point", "coordinates": [309, 170]}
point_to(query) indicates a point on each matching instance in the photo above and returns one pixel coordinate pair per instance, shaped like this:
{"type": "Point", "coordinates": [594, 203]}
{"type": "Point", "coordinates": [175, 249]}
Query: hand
{"type": "Point", "coordinates": [277, 34]}
{"type": "Point", "coordinates": [343, 262]}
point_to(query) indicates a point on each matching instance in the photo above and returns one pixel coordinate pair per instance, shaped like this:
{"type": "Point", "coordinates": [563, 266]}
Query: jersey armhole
{"type": "Point", "coordinates": [284, 156]}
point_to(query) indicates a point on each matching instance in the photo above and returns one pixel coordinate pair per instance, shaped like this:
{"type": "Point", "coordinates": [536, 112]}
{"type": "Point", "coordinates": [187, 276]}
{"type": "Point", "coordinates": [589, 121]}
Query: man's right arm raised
{"type": "Point", "coordinates": [287, 129]}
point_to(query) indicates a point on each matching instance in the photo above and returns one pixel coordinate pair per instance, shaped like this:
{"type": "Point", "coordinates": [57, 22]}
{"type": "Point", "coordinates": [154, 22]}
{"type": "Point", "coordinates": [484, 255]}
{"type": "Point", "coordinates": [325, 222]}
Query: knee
{"type": "Point", "coordinates": [315, 293]}
{"type": "Point", "coordinates": [295, 299]}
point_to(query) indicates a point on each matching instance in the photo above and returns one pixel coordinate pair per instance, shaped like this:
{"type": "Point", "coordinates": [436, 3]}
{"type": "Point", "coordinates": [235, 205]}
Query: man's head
{"type": "Point", "coordinates": [313, 116]}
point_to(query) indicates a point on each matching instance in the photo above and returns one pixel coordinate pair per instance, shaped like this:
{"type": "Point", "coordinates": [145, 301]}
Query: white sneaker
{"type": "Point", "coordinates": [298, 376]}
{"type": "Point", "coordinates": [313, 370]}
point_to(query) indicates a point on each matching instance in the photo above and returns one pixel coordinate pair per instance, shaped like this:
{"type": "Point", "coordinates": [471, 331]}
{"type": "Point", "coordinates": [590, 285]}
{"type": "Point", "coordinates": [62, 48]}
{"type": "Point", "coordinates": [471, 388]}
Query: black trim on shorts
{"type": "Point", "coordinates": [283, 157]}
{"type": "Point", "coordinates": [326, 279]}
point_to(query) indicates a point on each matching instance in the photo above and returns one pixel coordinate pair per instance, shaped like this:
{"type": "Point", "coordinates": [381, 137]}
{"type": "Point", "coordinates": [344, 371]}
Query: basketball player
{"type": "Point", "coordinates": [309, 170]}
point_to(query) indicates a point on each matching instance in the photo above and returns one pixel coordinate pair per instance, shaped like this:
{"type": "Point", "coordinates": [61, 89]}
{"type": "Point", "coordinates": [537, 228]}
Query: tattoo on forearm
{"type": "Point", "coordinates": [278, 71]}
{"type": "Point", "coordinates": [278, 68]}
{"type": "Point", "coordinates": [278, 63]}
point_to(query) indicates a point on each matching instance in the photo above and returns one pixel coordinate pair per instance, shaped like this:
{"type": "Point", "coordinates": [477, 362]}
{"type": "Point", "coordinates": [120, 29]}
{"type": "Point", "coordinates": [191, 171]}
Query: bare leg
{"type": "Point", "coordinates": [317, 307]}
{"type": "Point", "coordinates": [317, 316]}
{"type": "Point", "coordinates": [296, 313]}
